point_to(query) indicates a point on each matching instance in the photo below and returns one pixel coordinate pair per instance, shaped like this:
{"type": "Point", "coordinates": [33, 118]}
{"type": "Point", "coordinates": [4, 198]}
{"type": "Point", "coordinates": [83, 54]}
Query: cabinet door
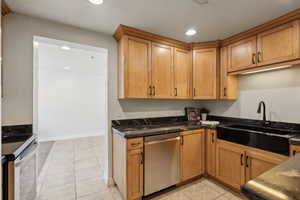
{"type": "Point", "coordinates": [135, 174]}
{"type": "Point", "coordinates": [230, 164]}
{"type": "Point", "coordinates": [162, 62]}
{"type": "Point", "coordinates": [228, 83]}
{"type": "Point", "coordinates": [242, 55]}
{"type": "Point", "coordinates": [279, 44]}
{"type": "Point", "coordinates": [205, 73]}
{"type": "Point", "coordinates": [192, 154]}
{"type": "Point", "coordinates": [211, 137]}
{"type": "Point", "coordinates": [137, 59]}
{"type": "Point", "coordinates": [258, 162]}
{"type": "Point", "coordinates": [182, 73]}
{"type": "Point", "coordinates": [294, 149]}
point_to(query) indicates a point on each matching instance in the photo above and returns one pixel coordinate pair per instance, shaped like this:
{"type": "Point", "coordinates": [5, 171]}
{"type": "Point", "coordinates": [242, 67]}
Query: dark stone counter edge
{"type": "Point", "coordinates": [123, 134]}
{"type": "Point", "coordinates": [14, 155]}
{"type": "Point", "coordinates": [253, 195]}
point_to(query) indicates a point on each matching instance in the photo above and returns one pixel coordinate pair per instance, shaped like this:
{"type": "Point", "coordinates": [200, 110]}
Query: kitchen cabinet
{"type": "Point", "coordinates": [294, 149]}
{"type": "Point", "coordinates": [230, 164]}
{"type": "Point", "coordinates": [258, 162]}
{"type": "Point", "coordinates": [128, 166]}
{"type": "Point", "coordinates": [279, 44]}
{"type": "Point", "coordinates": [134, 67]}
{"type": "Point", "coordinates": [162, 63]}
{"type": "Point", "coordinates": [135, 174]}
{"type": "Point", "coordinates": [192, 154]}
{"type": "Point", "coordinates": [210, 161]}
{"type": "Point", "coordinates": [242, 55]}
{"type": "Point", "coordinates": [237, 164]}
{"type": "Point", "coordinates": [182, 74]}
{"type": "Point", "coordinates": [228, 83]}
{"type": "Point", "coordinates": [205, 73]}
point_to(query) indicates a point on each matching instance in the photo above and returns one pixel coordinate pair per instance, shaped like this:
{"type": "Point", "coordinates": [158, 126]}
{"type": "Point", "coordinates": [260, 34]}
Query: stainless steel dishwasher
{"type": "Point", "coordinates": [162, 167]}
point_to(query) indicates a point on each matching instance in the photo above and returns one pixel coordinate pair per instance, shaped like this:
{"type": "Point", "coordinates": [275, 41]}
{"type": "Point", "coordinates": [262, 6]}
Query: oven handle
{"type": "Point", "coordinates": [161, 141]}
{"type": "Point", "coordinates": [27, 154]}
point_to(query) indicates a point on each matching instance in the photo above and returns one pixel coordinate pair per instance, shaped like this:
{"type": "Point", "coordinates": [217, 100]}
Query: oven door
{"type": "Point", "coordinates": [26, 174]}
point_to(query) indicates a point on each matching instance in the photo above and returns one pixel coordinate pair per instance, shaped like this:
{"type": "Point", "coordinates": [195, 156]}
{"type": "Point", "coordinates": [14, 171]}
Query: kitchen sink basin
{"type": "Point", "coordinates": [261, 129]}
{"type": "Point", "coordinates": [265, 138]}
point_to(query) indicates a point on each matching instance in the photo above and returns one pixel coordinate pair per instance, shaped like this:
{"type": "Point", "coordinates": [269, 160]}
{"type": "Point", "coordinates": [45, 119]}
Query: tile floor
{"type": "Point", "coordinates": [75, 172]}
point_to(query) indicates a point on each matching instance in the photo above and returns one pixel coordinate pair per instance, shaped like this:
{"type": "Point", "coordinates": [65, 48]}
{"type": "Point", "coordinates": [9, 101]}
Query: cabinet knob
{"type": "Point", "coordinates": [176, 92]}
{"type": "Point", "coordinates": [254, 58]}
{"type": "Point", "coordinates": [150, 90]}
{"type": "Point", "coordinates": [153, 91]}
{"type": "Point", "coordinates": [242, 156]}
{"type": "Point", "coordinates": [259, 54]}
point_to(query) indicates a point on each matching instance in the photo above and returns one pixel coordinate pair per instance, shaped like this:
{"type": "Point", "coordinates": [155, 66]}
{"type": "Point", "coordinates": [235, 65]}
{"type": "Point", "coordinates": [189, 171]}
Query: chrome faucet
{"type": "Point", "coordinates": [263, 104]}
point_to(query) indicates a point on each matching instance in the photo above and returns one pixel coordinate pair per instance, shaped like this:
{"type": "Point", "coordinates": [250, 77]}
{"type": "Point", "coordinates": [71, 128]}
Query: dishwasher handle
{"type": "Point", "coordinates": [162, 141]}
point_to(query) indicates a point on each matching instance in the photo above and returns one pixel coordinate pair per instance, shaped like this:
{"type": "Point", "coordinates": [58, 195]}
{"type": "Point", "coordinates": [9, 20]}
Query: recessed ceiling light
{"type": "Point", "coordinates": [96, 2]}
{"type": "Point", "coordinates": [67, 68]}
{"type": "Point", "coordinates": [190, 32]}
{"type": "Point", "coordinates": [65, 48]}
{"type": "Point", "coordinates": [35, 43]}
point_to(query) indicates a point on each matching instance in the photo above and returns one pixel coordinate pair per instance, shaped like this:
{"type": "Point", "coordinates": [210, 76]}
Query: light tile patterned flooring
{"type": "Point", "coordinates": [75, 172]}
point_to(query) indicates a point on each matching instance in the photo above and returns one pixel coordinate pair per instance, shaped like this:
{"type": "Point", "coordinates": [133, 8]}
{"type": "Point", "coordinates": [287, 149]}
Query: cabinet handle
{"type": "Point", "coordinates": [225, 92]}
{"type": "Point", "coordinates": [213, 138]}
{"type": "Point", "coordinates": [294, 152]}
{"type": "Point", "coordinates": [254, 58]}
{"type": "Point", "coordinates": [175, 92]}
{"type": "Point", "coordinates": [150, 90]}
{"type": "Point", "coordinates": [182, 141]}
{"type": "Point", "coordinates": [242, 156]}
{"type": "Point", "coordinates": [194, 92]}
{"type": "Point", "coordinates": [259, 57]}
{"type": "Point", "coordinates": [142, 158]}
{"type": "Point", "coordinates": [153, 91]}
{"type": "Point", "coordinates": [247, 165]}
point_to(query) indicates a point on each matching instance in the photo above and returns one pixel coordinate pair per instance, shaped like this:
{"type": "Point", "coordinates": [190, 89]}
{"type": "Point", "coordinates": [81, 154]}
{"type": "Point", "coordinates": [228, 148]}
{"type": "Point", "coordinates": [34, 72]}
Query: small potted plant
{"type": "Point", "coordinates": [204, 112]}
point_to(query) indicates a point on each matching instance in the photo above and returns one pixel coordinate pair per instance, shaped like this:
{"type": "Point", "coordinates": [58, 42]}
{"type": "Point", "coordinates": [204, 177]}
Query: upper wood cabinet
{"type": "Point", "coordinates": [230, 164]}
{"type": "Point", "coordinates": [211, 140]}
{"type": "Point", "coordinates": [279, 44]}
{"type": "Point", "coordinates": [228, 83]}
{"type": "Point", "coordinates": [241, 55]}
{"type": "Point", "coordinates": [192, 154]}
{"type": "Point", "coordinates": [134, 67]}
{"type": "Point", "coordinates": [258, 162]}
{"type": "Point", "coordinates": [182, 74]}
{"type": "Point", "coordinates": [205, 73]}
{"type": "Point", "coordinates": [162, 63]}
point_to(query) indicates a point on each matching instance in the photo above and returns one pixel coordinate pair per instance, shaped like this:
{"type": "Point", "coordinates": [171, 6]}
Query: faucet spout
{"type": "Point", "coordinates": [262, 104]}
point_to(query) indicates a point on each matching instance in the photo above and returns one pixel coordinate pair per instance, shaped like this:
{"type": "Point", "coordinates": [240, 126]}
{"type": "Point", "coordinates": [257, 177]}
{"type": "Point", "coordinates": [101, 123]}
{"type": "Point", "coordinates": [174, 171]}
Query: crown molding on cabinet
{"type": "Point", "coordinates": [126, 30]}
{"type": "Point", "coordinates": [293, 15]}
{"type": "Point", "coordinates": [5, 10]}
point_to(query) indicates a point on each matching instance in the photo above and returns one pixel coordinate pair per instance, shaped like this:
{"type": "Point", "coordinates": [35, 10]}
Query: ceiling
{"type": "Point", "coordinates": [216, 20]}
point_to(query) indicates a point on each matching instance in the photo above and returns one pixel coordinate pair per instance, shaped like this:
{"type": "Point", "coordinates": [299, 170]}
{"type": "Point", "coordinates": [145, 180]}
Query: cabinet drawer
{"type": "Point", "coordinates": [135, 143]}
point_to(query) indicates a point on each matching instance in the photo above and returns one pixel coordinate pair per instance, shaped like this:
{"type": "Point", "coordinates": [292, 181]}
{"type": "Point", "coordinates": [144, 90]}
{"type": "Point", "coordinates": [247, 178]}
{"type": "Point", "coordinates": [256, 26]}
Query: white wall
{"type": "Point", "coordinates": [71, 92]}
{"type": "Point", "coordinates": [280, 90]}
{"type": "Point", "coordinates": [18, 33]}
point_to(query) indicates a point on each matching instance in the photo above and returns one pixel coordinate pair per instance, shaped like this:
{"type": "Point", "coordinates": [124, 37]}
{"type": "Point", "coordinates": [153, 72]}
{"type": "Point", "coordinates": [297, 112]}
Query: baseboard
{"type": "Point", "coordinates": [56, 138]}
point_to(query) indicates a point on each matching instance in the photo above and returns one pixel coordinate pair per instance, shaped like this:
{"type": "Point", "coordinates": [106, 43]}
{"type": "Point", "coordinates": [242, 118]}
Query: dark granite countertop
{"type": "Point", "coordinates": [295, 140]}
{"type": "Point", "coordinates": [11, 150]}
{"type": "Point", "coordinates": [144, 130]}
{"type": "Point", "coordinates": [279, 183]}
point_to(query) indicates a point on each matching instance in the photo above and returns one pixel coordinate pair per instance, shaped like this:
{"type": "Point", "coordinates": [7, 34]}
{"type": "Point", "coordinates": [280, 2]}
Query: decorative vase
{"type": "Point", "coordinates": [203, 116]}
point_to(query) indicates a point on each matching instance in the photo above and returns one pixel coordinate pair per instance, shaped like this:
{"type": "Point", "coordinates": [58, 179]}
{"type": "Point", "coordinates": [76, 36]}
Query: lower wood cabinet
{"type": "Point", "coordinates": [294, 149]}
{"type": "Point", "coordinates": [128, 166]}
{"type": "Point", "coordinates": [238, 164]}
{"type": "Point", "coordinates": [230, 164]}
{"type": "Point", "coordinates": [135, 174]}
{"type": "Point", "coordinates": [192, 154]}
{"type": "Point", "coordinates": [258, 162]}
{"type": "Point", "coordinates": [210, 157]}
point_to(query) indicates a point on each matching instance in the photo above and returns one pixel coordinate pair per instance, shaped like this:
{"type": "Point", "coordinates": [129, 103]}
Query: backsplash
{"type": "Point", "coordinates": [280, 90]}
